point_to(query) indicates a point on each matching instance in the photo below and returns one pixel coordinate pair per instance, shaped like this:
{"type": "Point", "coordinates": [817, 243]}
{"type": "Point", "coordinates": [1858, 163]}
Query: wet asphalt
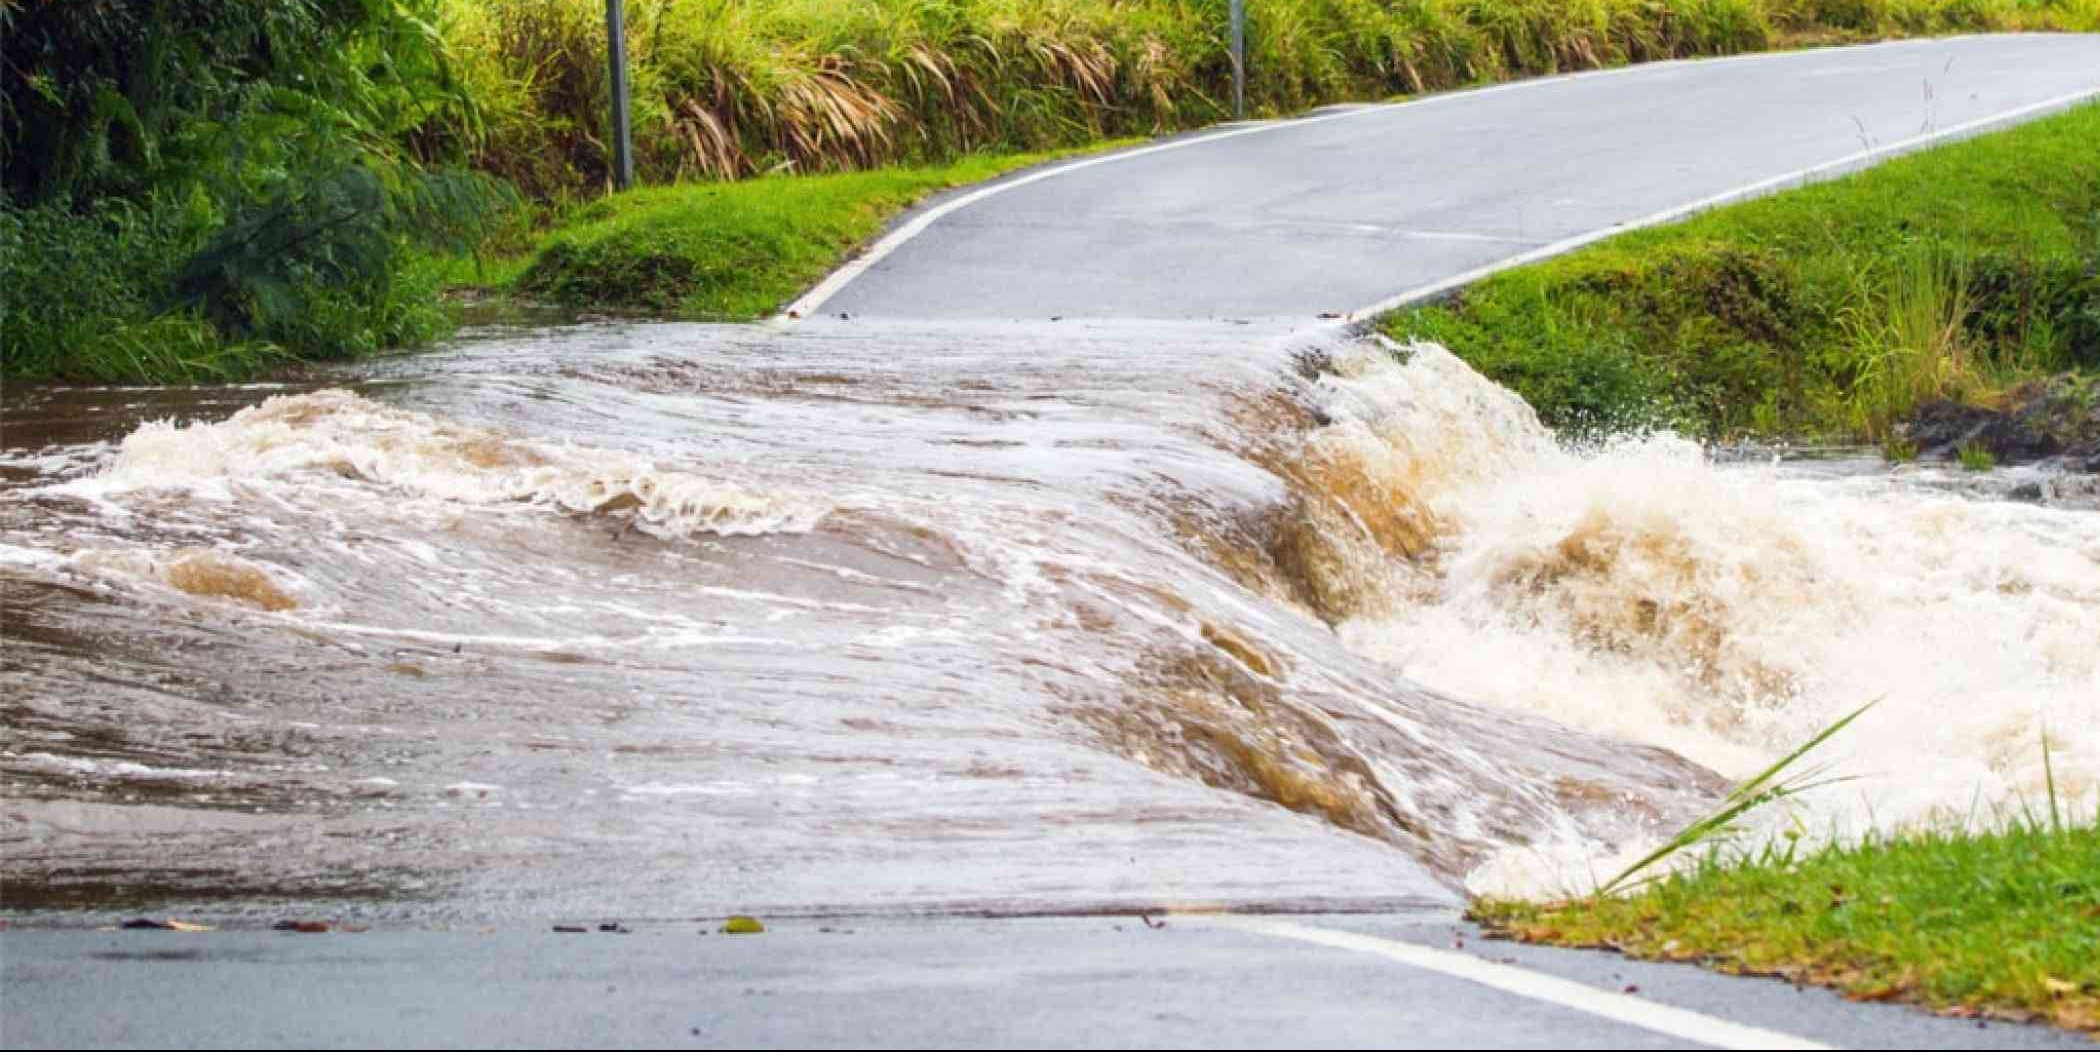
{"type": "Point", "coordinates": [1080, 982]}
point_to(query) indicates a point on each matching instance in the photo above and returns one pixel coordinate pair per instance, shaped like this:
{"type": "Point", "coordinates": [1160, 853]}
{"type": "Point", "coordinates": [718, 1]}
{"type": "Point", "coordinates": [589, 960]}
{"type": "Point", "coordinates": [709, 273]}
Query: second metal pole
{"type": "Point", "coordinates": [1239, 59]}
{"type": "Point", "coordinates": [616, 54]}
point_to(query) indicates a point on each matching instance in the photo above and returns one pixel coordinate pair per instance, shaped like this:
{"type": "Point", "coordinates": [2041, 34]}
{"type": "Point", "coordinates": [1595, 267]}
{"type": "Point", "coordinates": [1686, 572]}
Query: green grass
{"type": "Point", "coordinates": [2003, 921]}
{"type": "Point", "coordinates": [1830, 311]}
{"type": "Point", "coordinates": [1975, 456]}
{"type": "Point", "coordinates": [725, 251]}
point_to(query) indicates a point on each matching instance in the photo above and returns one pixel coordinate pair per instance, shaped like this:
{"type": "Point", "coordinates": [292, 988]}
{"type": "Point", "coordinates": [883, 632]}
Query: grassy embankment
{"type": "Point", "coordinates": [724, 250]}
{"type": "Point", "coordinates": [1828, 312]}
{"type": "Point", "coordinates": [2003, 922]}
{"type": "Point", "coordinates": [222, 187]}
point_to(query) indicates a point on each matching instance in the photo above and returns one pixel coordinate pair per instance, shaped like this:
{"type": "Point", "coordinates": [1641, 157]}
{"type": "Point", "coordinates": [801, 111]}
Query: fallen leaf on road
{"type": "Point", "coordinates": [1889, 992]}
{"type": "Point", "coordinates": [169, 924]}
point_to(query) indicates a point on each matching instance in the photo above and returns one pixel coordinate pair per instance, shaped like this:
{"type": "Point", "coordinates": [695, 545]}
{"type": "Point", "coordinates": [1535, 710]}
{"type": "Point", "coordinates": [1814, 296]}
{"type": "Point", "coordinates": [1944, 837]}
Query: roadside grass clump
{"type": "Point", "coordinates": [1975, 456]}
{"type": "Point", "coordinates": [1829, 312]}
{"type": "Point", "coordinates": [1998, 917]}
{"type": "Point", "coordinates": [728, 250]}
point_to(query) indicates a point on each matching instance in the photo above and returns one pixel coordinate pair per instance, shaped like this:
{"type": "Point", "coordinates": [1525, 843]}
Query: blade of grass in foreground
{"type": "Point", "coordinates": [1764, 788]}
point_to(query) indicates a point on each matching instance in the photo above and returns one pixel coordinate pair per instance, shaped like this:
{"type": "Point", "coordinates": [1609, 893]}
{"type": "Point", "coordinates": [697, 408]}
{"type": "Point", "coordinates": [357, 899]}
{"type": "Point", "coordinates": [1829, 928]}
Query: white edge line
{"type": "Point", "coordinates": [1618, 1007]}
{"type": "Point", "coordinates": [1803, 177]}
{"type": "Point", "coordinates": [810, 302]}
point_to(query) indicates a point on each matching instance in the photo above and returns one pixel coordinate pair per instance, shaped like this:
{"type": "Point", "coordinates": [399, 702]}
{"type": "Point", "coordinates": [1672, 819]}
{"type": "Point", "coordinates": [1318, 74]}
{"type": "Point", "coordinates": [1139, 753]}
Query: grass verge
{"type": "Point", "coordinates": [2002, 922]}
{"type": "Point", "coordinates": [727, 251]}
{"type": "Point", "coordinates": [1831, 311]}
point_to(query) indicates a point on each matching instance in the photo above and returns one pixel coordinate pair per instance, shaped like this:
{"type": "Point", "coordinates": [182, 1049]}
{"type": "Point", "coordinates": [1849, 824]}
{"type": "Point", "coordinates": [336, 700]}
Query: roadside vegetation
{"type": "Point", "coordinates": [723, 250]}
{"type": "Point", "coordinates": [2001, 921]}
{"type": "Point", "coordinates": [217, 188]}
{"type": "Point", "coordinates": [1969, 274]}
{"type": "Point", "coordinates": [195, 190]}
{"type": "Point", "coordinates": [1995, 919]}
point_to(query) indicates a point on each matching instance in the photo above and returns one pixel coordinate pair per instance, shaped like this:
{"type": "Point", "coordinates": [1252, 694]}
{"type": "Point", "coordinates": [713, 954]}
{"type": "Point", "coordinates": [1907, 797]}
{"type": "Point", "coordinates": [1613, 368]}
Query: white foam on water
{"type": "Point", "coordinates": [112, 770]}
{"type": "Point", "coordinates": [288, 437]}
{"type": "Point", "coordinates": [1730, 613]}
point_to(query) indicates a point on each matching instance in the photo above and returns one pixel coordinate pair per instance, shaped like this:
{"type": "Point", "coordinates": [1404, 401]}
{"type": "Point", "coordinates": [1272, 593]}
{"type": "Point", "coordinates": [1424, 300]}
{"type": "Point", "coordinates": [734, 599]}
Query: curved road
{"type": "Point", "coordinates": [1353, 208]}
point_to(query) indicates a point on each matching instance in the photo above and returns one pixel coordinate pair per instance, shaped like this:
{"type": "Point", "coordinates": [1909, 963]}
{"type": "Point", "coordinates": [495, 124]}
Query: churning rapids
{"type": "Point", "coordinates": [668, 620]}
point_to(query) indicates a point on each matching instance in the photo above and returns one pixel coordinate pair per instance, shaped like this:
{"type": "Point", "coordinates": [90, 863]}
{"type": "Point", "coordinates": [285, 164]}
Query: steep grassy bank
{"type": "Point", "coordinates": [1833, 311]}
{"type": "Point", "coordinates": [2002, 922]}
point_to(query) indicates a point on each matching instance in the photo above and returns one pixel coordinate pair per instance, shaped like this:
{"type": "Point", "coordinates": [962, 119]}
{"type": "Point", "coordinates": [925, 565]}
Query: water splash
{"type": "Point", "coordinates": [198, 572]}
{"type": "Point", "coordinates": [1728, 612]}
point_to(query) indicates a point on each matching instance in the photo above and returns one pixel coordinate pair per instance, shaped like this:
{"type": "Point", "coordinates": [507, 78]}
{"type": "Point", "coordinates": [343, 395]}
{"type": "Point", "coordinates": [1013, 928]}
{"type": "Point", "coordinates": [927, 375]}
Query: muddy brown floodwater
{"type": "Point", "coordinates": [667, 620]}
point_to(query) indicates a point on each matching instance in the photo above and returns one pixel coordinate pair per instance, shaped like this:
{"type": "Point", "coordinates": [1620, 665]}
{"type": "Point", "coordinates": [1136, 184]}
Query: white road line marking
{"type": "Point", "coordinates": [1538, 986]}
{"type": "Point", "coordinates": [810, 302]}
{"type": "Point", "coordinates": [1827, 170]}
{"type": "Point", "coordinates": [1454, 235]}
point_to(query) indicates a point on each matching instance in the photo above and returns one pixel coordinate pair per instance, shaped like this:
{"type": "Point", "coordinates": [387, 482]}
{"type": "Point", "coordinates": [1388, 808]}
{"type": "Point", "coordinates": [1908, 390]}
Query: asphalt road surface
{"type": "Point", "coordinates": [1349, 208]}
{"type": "Point", "coordinates": [1092, 982]}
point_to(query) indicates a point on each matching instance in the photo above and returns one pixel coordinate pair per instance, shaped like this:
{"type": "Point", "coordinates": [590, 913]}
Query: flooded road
{"type": "Point", "coordinates": [665, 620]}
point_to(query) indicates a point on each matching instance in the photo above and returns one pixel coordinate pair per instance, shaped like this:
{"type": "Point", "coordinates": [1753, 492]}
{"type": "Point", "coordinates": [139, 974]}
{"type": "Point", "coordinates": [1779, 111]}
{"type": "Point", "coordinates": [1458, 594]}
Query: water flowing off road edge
{"type": "Point", "coordinates": [672, 620]}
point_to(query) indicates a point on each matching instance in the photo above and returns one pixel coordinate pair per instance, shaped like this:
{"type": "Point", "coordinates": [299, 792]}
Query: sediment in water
{"type": "Point", "coordinates": [859, 620]}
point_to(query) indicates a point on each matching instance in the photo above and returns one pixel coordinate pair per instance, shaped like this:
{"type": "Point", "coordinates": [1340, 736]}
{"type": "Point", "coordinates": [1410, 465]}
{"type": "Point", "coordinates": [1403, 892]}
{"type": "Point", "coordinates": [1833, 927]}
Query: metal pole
{"type": "Point", "coordinates": [616, 54]}
{"type": "Point", "coordinates": [1239, 59]}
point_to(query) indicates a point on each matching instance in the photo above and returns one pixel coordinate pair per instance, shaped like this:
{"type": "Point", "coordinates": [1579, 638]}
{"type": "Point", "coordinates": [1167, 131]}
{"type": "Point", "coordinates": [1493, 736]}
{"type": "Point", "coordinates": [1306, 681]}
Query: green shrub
{"type": "Point", "coordinates": [212, 187]}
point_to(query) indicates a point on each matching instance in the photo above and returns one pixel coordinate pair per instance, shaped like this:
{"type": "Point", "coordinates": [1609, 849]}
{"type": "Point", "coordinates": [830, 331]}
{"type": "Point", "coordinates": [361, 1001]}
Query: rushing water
{"type": "Point", "coordinates": [666, 620]}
